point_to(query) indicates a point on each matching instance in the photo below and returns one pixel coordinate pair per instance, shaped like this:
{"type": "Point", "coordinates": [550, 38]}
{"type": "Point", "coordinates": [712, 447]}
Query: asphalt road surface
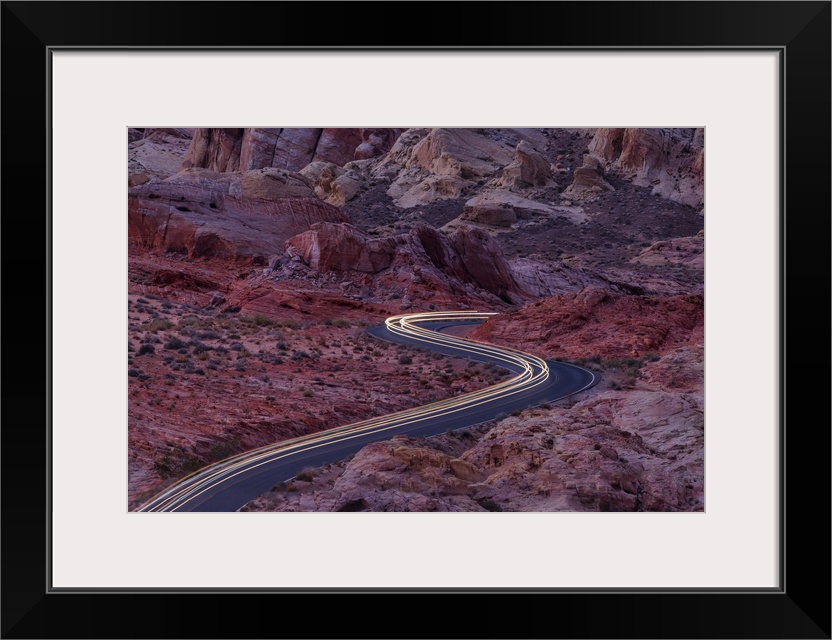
{"type": "Point", "coordinates": [230, 484]}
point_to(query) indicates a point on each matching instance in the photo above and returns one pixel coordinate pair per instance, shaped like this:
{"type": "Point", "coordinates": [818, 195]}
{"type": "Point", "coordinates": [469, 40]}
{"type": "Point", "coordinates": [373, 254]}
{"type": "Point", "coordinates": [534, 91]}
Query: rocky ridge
{"type": "Point", "coordinates": [588, 241]}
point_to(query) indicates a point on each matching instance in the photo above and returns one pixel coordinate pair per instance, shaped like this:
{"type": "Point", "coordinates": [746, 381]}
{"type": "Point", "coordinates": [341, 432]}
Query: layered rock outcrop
{"type": "Point", "coordinates": [235, 216]}
{"type": "Point", "coordinates": [284, 148]}
{"type": "Point", "coordinates": [469, 255]}
{"type": "Point", "coordinates": [430, 164]}
{"type": "Point", "coordinates": [341, 247]}
{"type": "Point", "coordinates": [671, 161]}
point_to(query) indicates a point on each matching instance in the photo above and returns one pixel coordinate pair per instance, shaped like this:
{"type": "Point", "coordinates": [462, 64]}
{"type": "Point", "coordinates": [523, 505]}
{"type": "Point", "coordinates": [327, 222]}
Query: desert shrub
{"type": "Point", "coordinates": [262, 321]}
{"type": "Point", "coordinates": [175, 343]}
{"type": "Point", "coordinates": [200, 347]}
{"type": "Point", "coordinates": [157, 325]}
{"type": "Point", "coordinates": [405, 360]}
{"type": "Point", "coordinates": [145, 349]}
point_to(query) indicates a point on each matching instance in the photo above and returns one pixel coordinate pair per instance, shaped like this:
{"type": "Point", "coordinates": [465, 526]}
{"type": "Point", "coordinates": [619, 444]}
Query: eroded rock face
{"type": "Point", "coordinates": [483, 260]}
{"type": "Point", "coordinates": [341, 247]}
{"type": "Point", "coordinates": [427, 165]}
{"type": "Point", "coordinates": [337, 185]}
{"type": "Point", "coordinates": [549, 278]}
{"type": "Point", "coordinates": [204, 214]}
{"type": "Point", "coordinates": [215, 149]}
{"type": "Point", "coordinates": [274, 184]}
{"type": "Point", "coordinates": [469, 255]}
{"type": "Point", "coordinates": [671, 161]}
{"type": "Point", "coordinates": [284, 148]}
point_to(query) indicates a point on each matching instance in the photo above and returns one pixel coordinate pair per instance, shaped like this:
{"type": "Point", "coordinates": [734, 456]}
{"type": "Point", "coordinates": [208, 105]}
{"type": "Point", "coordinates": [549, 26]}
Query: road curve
{"type": "Point", "coordinates": [229, 484]}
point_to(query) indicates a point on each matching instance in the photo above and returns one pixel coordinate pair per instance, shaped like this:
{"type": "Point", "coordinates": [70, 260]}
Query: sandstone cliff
{"type": "Point", "coordinates": [284, 148]}
{"type": "Point", "coordinates": [205, 214]}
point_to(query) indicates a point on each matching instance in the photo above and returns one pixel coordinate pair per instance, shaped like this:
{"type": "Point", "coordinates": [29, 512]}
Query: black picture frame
{"type": "Point", "coordinates": [799, 608]}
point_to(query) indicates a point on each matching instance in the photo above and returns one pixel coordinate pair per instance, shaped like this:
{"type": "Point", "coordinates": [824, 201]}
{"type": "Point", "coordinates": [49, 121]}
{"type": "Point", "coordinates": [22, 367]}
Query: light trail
{"type": "Point", "coordinates": [533, 372]}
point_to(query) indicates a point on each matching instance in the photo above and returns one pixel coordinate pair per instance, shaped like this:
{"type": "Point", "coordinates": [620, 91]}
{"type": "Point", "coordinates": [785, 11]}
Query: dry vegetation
{"type": "Point", "coordinates": [204, 385]}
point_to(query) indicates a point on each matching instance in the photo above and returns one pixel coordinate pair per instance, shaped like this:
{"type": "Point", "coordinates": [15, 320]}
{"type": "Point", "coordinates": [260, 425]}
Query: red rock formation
{"type": "Point", "coordinates": [469, 255]}
{"type": "Point", "coordinates": [215, 149]}
{"type": "Point", "coordinates": [484, 262]}
{"type": "Point", "coordinates": [595, 321]}
{"type": "Point", "coordinates": [375, 142]}
{"type": "Point", "coordinates": [341, 247]}
{"type": "Point", "coordinates": [284, 148]}
{"type": "Point", "coordinates": [200, 218]}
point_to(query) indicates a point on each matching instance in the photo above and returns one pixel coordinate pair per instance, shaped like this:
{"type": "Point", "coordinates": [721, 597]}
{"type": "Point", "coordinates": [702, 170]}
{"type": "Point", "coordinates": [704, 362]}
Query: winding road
{"type": "Point", "coordinates": [229, 484]}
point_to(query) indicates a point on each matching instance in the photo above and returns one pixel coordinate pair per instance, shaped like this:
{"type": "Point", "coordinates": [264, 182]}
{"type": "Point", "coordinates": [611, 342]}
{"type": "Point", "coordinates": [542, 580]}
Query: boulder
{"type": "Point", "coordinates": [588, 181]}
{"type": "Point", "coordinates": [528, 169]}
{"type": "Point", "coordinates": [494, 215]}
{"type": "Point", "coordinates": [341, 247]}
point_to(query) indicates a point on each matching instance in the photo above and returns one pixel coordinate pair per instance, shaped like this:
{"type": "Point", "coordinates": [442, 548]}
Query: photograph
{"type": "Point", "coordinates": [416, 306]}
{"type": "Point", "coordinates": [416, 319]}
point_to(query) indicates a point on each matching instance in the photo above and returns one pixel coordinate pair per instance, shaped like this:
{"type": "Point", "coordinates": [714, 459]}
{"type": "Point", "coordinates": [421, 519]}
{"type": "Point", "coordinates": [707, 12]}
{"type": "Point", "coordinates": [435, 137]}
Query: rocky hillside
{"type": "Point", "coordinates": [249, 246]}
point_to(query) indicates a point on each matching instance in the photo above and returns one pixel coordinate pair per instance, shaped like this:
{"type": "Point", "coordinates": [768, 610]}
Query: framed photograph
{"type": "Point", "coordinates": [746, 86]}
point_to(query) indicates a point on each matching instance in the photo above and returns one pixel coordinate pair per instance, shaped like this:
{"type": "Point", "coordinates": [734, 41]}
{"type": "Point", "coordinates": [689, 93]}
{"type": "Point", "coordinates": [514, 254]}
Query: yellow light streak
{"type": "Point", "coordinates": [534, 371]}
